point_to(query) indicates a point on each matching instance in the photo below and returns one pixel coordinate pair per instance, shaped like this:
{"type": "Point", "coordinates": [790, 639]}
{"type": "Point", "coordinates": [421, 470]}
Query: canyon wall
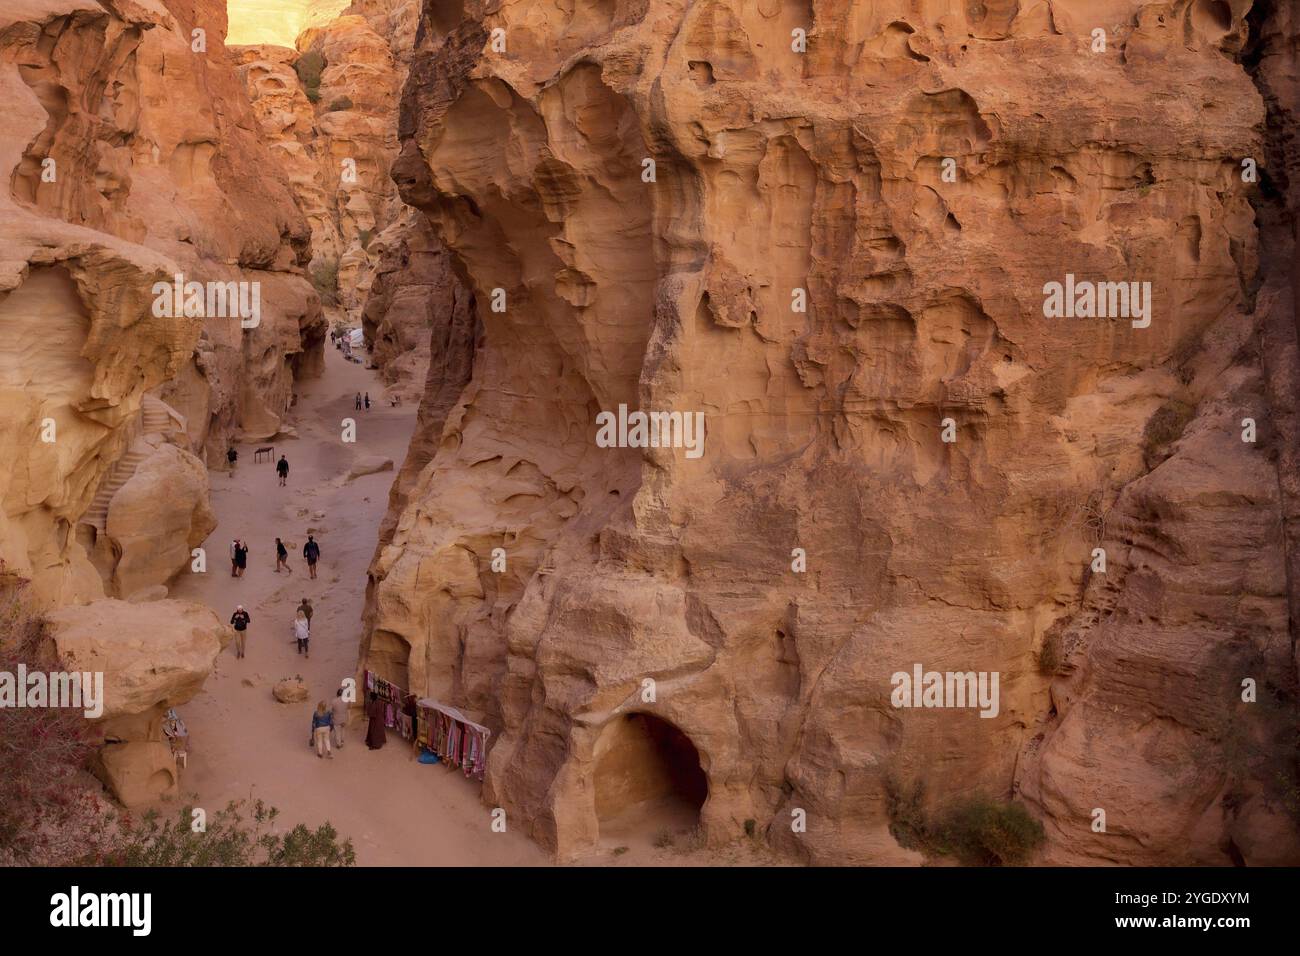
{"type": "Point", "coordinates": [130, 158]}
{"type": "Point", "coordinates": [830, 226]}
{"type": "Point", "coordinates": [328, 109]}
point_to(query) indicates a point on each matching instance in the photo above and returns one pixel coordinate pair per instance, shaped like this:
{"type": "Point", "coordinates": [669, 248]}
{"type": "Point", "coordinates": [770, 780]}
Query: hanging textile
{"type": "Point", "coordinates": [457, 740]}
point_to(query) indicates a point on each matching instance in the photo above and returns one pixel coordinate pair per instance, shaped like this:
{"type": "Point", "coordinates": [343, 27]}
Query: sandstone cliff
{"type": "Point", "coordinates": [329, 110]}
{"type": "Point", "coordinates": [130, 158]}
{"type": "Point", "coordinates": [839, 252]}
{"type": "Point", "coordinates": [130, 155]}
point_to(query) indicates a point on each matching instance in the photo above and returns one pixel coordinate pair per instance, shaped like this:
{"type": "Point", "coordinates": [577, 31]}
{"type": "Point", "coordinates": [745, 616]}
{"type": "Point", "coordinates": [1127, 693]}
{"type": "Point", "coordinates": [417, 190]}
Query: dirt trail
{"type": "Point", "coordinates": [395, 810]}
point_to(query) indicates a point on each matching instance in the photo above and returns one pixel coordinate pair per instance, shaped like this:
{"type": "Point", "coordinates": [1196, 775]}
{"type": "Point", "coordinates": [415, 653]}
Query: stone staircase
{"type": "Point", "coordinates": [156, 418]}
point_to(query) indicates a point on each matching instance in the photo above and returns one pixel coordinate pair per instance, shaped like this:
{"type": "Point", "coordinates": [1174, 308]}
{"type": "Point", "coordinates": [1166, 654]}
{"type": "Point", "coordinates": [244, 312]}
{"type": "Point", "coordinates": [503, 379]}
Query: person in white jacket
{"type": "Point", "coordinates": [302, 633]}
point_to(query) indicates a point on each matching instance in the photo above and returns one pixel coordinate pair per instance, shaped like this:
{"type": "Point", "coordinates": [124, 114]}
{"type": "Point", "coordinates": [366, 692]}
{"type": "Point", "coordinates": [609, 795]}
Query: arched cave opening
{"type": "Point", "coordinates": [648, 778]}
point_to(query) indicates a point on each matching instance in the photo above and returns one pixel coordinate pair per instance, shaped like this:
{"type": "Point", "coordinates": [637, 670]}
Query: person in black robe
{"type": "Point", "coordinates": [375, 735]}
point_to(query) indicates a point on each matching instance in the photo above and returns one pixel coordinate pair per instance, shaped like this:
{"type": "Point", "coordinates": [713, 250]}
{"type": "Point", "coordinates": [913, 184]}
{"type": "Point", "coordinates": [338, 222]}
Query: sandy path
{"type": "Point", "coordinates": [244, 743]}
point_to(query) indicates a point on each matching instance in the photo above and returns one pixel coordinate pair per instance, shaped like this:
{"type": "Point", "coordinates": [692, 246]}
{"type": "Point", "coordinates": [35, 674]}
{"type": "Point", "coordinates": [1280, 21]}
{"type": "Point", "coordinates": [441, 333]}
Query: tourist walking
{"type": "Point", "coordinates": [281, 557]}
{"type": "Point", "coordinates": [232, 456]}
{"type": "Point", "coordinates": [282, 469]}
{"type": "Point", "coordinates": [339, 711]}
{"type": "Point", "coordinates": [239, 621]}
{"type": "Point", "coordinates": [367, 401]}
{"type": "Point", "coordinates": [234, 557]}
{"type": "Point", "coordinates": [358, 401]}
{"type": "Point", "coordinates": [375, 736]}
{"type": "Point", "coordinates": [302, 633]}
{"type": "Point", "coordinates": [311, 551]}
{"type": "Point", "coordinates": [306, 608]}
{"type": "Point", "coordinates": [321, 721]}
{"type": "Point", "coordinates": [241, 557]}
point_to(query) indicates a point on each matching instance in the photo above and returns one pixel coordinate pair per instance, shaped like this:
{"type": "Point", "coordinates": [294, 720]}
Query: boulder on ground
{"type": "Point", "coordinates": [369, 465]}
{"type": "Point", "coordinates": [292, 690]}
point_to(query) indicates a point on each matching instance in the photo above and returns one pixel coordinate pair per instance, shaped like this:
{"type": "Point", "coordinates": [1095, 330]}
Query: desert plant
{"type": "Point", "coordinates": [309, 68]}
{"type": "Point", "coordinates": [227, 839]}
{"type": "Point", "coordinates": [1165, 427]}
{"type": "Point", "coordinates": [340, 104]}
{"type": "Point", "coordinates": [43, 815]}
{"type": "Point", "coordinates": [663, 839]}
{"type": "Point", "coordinates": [984, 832]}
{"type": "Point", "coordinates": [903, 807]}
{"type": "Point", "coordinates": [325, 279]}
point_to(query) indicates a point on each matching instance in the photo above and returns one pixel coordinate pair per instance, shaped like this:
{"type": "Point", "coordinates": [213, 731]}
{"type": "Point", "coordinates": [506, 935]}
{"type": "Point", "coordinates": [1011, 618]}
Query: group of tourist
{"type": "Point", "coordinates": [328, 722]}
{"type": "Point", "coordinates": [239, 556]}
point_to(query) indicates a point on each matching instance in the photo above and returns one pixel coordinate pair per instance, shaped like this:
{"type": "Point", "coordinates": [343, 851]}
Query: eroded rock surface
{"type": "Point", "coordinates": [153, 656]}
{"type": "Point", "coordinates": [841, 254]}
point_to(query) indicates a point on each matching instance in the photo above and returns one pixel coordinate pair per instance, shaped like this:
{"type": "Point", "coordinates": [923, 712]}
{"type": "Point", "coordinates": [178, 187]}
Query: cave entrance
{"type": "Point", "coordinates": [648, 778]}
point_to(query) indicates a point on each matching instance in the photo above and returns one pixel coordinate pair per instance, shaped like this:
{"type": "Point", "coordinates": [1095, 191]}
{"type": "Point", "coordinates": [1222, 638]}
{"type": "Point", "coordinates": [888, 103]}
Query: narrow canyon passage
{"type": "Point", "coordinates": [244, 743]}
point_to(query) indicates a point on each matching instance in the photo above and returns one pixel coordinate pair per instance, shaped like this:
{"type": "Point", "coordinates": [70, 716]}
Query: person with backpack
{"type": "Point", "coordinates": [311, 551]}
{"type": "Point", "coordinates": [282, 469]}
{"type": "Point", "coordinates": [321, 723]}
{"type": "Point", "coordinates": [281, 557]}
{"type": "Point", "coordinates": [240, 621]}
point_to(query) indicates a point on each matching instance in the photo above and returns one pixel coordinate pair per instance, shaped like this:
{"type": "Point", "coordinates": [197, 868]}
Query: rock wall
{"type": "Point", "coordinates": [375, 257]}
{"type": "Point", "coordinates": [154, 656]}
{"type": "Point", "coordinates": [130, 157]}
{"type": "Point", "coordinates": [841, 257]}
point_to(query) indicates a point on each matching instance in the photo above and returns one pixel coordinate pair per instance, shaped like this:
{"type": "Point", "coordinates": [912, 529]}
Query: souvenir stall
{"type": "Point", "coordinates": [397, 714]}
{"type": "Point", "coordinates": [435, 727]}
{"type": "Point", "coordinates": [457, 740]}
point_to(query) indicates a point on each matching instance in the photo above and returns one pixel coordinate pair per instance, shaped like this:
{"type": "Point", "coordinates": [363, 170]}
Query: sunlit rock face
{"type": "Point", "coordinates": [842, 257]}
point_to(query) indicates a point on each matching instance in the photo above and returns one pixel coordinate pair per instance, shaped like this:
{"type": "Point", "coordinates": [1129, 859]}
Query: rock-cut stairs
{"type": "Point", "coordinates": [156, 418]}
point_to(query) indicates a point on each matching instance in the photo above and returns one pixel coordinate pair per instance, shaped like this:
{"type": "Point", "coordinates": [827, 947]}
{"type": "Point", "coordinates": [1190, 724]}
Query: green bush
{"type": "Point", "coordinates": [226, 840]}
{"type": "Point", "coordinates": [1166, 426]}
{"type": "Point", "coordinates": [903, 806]}
{"type": "Point", "coordinates": [984, 832]}
{"type": "Point", "coordinates": [309, 68]}
{"type": "Point", "coordinates": [342, 103]}
{"type": "Point", "coordinates": [325, 279]}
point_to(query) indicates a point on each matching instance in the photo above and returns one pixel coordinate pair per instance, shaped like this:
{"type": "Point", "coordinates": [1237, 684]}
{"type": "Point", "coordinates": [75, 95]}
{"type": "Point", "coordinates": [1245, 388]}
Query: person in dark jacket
{"type": "Point", "coordinates": [282, 469]}
{"type": "Point", "coordinates": [281, 557]}
{"type": "Point", "coordinates": [311, 551]}
{"type": "Point", "coordinates": [239, 621]}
